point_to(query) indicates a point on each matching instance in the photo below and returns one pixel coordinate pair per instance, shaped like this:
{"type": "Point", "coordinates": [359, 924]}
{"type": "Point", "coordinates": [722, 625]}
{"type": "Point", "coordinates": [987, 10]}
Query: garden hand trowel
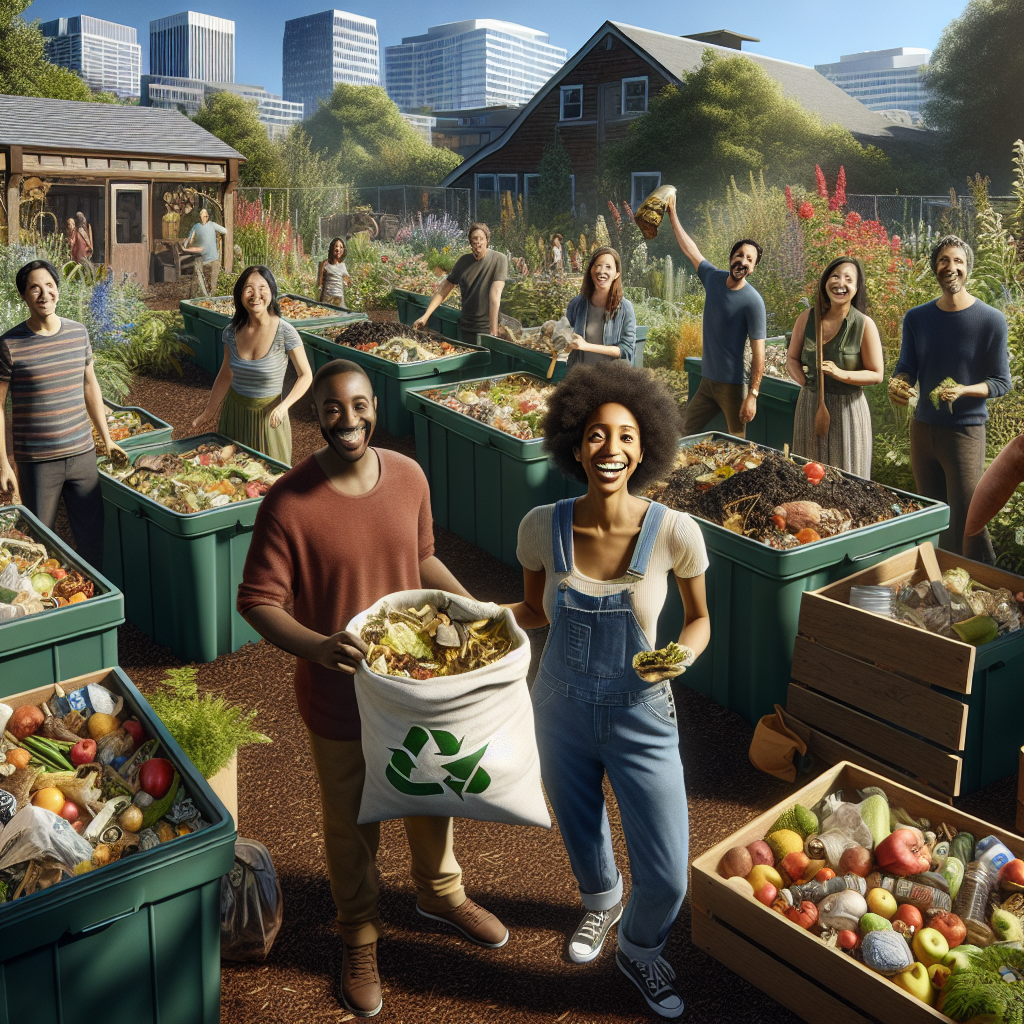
{"type": "Point", "coordinates": [931, 566]}
{"type": "Point", "coordinates": [558, 342]}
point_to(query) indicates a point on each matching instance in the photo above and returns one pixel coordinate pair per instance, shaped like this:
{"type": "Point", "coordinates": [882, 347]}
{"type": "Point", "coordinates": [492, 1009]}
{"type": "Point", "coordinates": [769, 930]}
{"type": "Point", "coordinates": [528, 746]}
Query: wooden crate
{"type": "Point", "coordinates": [783, 960]}
{"type": "Point", "coordinates": [899, 699]}
{"type": "Point", "coordinates": [1020, 793]}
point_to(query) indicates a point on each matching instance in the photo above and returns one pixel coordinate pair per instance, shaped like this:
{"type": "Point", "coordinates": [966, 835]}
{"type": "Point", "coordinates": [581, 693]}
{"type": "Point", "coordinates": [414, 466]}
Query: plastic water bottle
{"type": "Point", "coordinates": [992, 852]}
{"type": "Point", "coordinates": [972, 901]}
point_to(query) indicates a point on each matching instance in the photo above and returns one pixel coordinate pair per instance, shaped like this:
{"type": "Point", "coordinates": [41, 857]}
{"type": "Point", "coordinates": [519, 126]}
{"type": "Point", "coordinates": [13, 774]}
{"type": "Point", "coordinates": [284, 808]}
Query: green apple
{"type": "Point", "coordinates": [930, 946]}
{"type": "Point", "coordinates": [938, 974]}
{"type": "Point", "coordinates": [915, 980]}
{"type": "Point", "coordinates": [960, 957]}
{"type": "Point", "coordinates": [881, 902]}
{"type": "Point", "coordinates": [874, 923]}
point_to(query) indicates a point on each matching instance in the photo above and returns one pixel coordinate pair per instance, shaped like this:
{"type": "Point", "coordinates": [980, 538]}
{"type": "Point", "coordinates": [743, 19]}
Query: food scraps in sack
{"type": "Point", "coordinates": [421, 643]}
{"type": "Point", "coordinates": [664, 663]}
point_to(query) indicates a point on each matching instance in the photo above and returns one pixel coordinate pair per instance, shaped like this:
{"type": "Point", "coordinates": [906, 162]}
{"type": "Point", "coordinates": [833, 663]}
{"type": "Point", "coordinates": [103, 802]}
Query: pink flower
{"type": "Point", "coordinates": [629, 212]}
{"type": "Point", "coordinates": [614, 212]}
{"type": "Point", "coordinates": [852, 219]}
{"type": "Point", "coordinates": [895, 245]}
{"type": "Point", "coordinates": [819, 174]}
{"type": "Point", "coordinates": [806, 211]}
{"type": "Point", "coordinates": [839, 199]}
{"type": "Point", "coordinates": [789, 199]}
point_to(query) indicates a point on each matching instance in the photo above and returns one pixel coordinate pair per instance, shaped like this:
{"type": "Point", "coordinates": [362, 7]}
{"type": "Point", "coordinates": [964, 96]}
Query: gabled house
{"type": "Point", "coordinates": [592, 99]}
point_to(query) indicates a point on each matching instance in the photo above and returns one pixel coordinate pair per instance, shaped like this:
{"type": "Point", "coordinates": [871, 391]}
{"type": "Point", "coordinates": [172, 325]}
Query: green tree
{"type": "Point", "coordinates": [975, 79]}
{"type": "Point", "coordinates": [730, 118]}
{"type": "Point", "coordinates": [24, 69]}
{"type": "Point", "coordinates": [233, 119]}
{"type": "Point", "coordinates": [554, 189]}
{"type": "Point", "coordinates": [362, 129]}
{"type": "Point", "coordinates": [313, 176]}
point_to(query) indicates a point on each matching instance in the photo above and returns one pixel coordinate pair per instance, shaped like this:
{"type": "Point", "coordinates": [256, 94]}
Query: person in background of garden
{"type": "Point", "coordinates": [733, 312]}
{"type": "Point", "coordinates": [205, 233]}
{"type": "Point", "coordinates": [600, 315]}
{"type": "Point", "coordinates": [597, 568]}
{"type": "Point", "coordinates": [852, 359]}
{"type": "Point", "coordinates": [957, 337]}
{"type": "Point", "coordinates": [46, 363]}
{"type": "Point", "coordinates": [257, 346]}
{"type": "Point", "coordinates": [556, 254]}
{"type": "Point", "coordinates": [77, 244]}
{"type": "Point", "coordinates": [300, 560]}
{"type": "Point", "coordinates": [480, 276]}
{"type": "Point", "coordinates": [85, 230]}
{"type": "Point", "coordinates": [332, 276]}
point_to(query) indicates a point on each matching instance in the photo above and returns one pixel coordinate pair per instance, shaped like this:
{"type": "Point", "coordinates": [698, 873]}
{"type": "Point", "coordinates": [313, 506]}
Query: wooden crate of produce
{"type": "Point", "coordinates": [899, 699]}
{"type": "Point", "coordinates": [788, 963]}
{"type": "Point", "coordinates": [1020, 793]}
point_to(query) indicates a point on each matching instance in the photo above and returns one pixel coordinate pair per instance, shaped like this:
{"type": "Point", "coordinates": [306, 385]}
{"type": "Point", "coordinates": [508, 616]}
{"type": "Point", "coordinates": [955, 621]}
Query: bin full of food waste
{"type": "Point", "coordinates": [480, 446]}
{"type": "Point", "coordinates": [178, 520]}
{"type": "Point", "coordinates": [444, 319]}
{"type": "Point", "coordinates": [775, 525]}
{"type": "Point", "coordinates": [132, 427]}
{"type": "Point", "coordinates": [58, 615]}
{"type": "Point", "coordinates": [112, 848]}
{"type": "Point", "coordinates": [396, 358]}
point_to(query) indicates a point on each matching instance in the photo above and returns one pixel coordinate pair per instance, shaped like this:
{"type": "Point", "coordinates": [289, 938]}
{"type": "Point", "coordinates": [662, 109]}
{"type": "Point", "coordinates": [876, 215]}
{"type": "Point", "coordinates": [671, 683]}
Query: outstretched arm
{"type": "Point", "coordinates": [686, 243]}
{"type": "Point", "coordinates": [438, 297]}
{"type": "Point", "coordinates": [529, 612]}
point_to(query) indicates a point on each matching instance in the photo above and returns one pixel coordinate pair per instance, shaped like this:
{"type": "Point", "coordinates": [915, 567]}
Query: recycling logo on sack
{"type": "Point", "coordinates": [463, 775]}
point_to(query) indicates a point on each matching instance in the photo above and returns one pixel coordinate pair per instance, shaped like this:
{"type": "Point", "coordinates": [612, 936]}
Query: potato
{"type": "Point", "coordinates": [736, 861]}
{"type": "Point", "coordinates": [25, 721]}
{"type": "Point", "coordinates": [100, 725]}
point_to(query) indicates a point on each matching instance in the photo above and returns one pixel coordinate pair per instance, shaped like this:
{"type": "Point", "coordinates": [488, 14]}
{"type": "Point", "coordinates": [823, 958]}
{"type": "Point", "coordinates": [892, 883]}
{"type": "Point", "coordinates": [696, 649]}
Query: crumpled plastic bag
{"type": "Point", "coordinates": [251, 906]}
{"type": "Point", "coordinates": [34, 833]}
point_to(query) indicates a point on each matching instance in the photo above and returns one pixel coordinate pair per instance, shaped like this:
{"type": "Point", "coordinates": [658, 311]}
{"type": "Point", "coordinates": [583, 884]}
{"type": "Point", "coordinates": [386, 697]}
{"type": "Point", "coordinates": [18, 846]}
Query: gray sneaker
{"type": "Point", "coordinates": [655, 982]}
{"type": "Point", "coordinates": [585, 943]}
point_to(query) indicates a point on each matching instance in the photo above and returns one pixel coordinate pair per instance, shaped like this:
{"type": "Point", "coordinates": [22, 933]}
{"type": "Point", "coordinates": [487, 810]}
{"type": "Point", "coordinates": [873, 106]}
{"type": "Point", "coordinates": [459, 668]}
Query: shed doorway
{"type": "Point", "coordinates": [129, 243]}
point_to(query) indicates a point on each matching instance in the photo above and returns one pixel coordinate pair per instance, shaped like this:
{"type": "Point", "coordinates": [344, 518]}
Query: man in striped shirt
{"type": "Point", "coordinates": [46, 364]}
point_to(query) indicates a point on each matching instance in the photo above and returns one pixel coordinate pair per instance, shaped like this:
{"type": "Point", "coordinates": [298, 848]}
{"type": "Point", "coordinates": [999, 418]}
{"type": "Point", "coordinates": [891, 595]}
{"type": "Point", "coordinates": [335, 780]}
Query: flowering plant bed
{"type": "Point", "coordinates": [515, 404]}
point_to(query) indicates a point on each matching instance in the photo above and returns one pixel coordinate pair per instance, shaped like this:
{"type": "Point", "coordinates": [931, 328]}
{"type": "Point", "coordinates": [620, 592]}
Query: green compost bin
{"type": "Point", "coordinates": [391, 380]}
{"type": "Point", "coordinates": [507, 357]}
{"type": "Point", "coordinates": [207, 326]}
{"type": "Point", "coordinates": [776, 407]}
{"type": "Point", "coordinates": [161, 431]}
{"type": "Point", "coordinates": [56, 644]}
{"type": "Point", "coordinates": [482, 480]}
{"type": "Point", "coordinates": [754, 593]}
{"type": "Point", "coordinates": [412, 305]}
{"type": "Point", "coordinates": [180, 572]}
{"type": "Point", "coordinates": [136, 941]}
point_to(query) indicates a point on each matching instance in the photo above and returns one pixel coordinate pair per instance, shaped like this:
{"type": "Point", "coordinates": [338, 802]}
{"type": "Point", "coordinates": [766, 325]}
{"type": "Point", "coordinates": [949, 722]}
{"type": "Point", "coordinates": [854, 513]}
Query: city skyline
{"type": "Point", "coordinates": [796, 36]}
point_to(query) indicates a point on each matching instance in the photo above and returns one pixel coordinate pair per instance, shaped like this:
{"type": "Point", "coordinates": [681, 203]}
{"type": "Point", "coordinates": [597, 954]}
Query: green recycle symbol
{"type": "Point", "coordinates": [464, 775]}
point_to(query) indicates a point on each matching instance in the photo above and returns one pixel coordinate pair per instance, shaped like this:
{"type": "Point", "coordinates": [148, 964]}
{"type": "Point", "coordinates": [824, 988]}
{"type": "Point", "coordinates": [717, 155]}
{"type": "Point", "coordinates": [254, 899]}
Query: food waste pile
{"type": "Point", "coordinates": [393, 342]}
{"type": "Point", "coordinates": [930, 908]}
{"type": "Point", "coordinates": [34, 577]}
{"type": "Point", "coordinates": [122, 424]}
{"type": "Point", "coordinates": [82, 785]}
{"type": "Point", "coordinates": [291, 309]}
{"type": "Point", "coordinates": [515, 404]}
{"type": "Point", "coordinates": [205, 477]}
{"type": "Point", "coordinates": [774, 362]}
{"type": "Point", "coordinates": [763, 494]}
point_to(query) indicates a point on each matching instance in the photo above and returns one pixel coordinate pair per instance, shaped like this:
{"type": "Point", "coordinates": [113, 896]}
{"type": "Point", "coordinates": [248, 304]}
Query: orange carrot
{"type": "Point", "coordinates": [996, 486]}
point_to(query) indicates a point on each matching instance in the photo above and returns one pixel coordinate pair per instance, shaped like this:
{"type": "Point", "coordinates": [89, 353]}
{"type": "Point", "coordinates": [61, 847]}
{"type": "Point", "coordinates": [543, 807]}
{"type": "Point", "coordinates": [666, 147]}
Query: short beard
{"type": "Point", "coordinates": [956, 285]}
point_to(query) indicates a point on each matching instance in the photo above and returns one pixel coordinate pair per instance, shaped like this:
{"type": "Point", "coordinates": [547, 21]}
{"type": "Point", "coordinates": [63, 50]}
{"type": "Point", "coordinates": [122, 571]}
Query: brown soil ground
{"type": "Point", "coordinates": [521, 874]}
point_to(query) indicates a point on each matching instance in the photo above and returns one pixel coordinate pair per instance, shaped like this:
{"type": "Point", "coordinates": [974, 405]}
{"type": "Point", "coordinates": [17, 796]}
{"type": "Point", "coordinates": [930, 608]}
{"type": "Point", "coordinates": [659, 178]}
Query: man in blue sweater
{"type": "Point", "coordinates": [959, 339]}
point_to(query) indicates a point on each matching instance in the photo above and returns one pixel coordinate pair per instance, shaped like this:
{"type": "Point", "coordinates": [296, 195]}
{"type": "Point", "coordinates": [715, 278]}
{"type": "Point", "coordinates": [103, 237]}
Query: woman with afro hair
{"type": "Point", "coordinates": [597, 568]}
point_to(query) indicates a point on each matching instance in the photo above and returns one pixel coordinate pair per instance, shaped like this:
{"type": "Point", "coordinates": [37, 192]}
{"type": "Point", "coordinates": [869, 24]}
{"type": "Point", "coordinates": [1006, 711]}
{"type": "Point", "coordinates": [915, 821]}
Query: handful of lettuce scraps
{"type": "Point", "coordinates": [939, 394]}
{"type": "Point", "coordinates": [403, 639]}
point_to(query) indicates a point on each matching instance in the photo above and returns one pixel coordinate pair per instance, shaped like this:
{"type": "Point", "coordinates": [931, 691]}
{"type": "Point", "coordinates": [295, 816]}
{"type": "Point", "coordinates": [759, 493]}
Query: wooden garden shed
{"type": "Point", "coordinates": [139, 175]}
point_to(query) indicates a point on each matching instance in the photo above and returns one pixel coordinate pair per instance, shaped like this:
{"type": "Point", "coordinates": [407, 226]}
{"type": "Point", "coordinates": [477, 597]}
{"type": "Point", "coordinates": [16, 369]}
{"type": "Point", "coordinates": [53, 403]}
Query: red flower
{"type": "Point", "coordinates": [819, 174]}
{"type": "Point", "coordinates": [629, 212]}
{"type": "Point", "coordinates": [896, 245]}
{"type": "Point", "coordinates": [614, 212]}
{"type": "Point", "coordinates": [383, 259]}
{"type": "Point", "coordinates": [789, 199]}
{"type": "Point", "coordinates": [839, 199]}
{"type": "Point", "coordinates": [806, 211]}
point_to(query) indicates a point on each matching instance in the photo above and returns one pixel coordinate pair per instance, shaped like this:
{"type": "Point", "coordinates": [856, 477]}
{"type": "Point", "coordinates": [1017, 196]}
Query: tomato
{"type": "Point", "coordinates": [815, 472]}
{"type": "Point", "coordinates": [204, 460]}
{"type": "Point", "coordinates": [805, 915]}
{"type": "Point", "coordinates": [252, 489]}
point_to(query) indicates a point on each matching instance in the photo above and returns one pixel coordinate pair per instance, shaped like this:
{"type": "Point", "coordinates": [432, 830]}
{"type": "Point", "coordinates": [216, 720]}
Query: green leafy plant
{"type": "Point", "coordinates": [208, 728]}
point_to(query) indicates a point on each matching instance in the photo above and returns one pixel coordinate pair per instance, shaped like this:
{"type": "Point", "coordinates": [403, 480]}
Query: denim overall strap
{"type": "Point", "coordinates": [561, 537]}
{"type": "Point", "coordinates": [645, 542]}
{"type": "Point", "coordinates": [561, 534]}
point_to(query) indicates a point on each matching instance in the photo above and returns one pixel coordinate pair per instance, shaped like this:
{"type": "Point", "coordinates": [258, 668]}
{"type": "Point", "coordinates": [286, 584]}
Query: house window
{"type": "Point", "coordinates": [634, 95]}
{"type": "Point", "coordinates": [508, 183]}
{"type": "Point", "coordinates": [644, 183]}
{"type": "Point", "coordinates": [485, 183]}
{"type": "Point", "coordinates": [530, 183]}
{"type": "Point", "coordinates": [572, 103]}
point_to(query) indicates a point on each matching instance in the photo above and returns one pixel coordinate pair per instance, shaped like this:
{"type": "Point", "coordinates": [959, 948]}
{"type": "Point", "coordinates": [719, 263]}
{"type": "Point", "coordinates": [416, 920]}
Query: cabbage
{"type": "Point", "coordinates": [403, 639]}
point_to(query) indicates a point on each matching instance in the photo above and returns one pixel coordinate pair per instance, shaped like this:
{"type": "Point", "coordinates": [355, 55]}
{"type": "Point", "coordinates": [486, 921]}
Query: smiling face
{"type": "Point", "coordinates": [347, 410]}
{"type": "Point", "coordinates": [951, 269]}
{"type": "Point", "coordinates": [742, 262]}
{"type": "Point", "coordinates": [611, 448]}
{"type": "Point", "coordinates": [603, 272]}
{"type": "Point", "coordinates": [478, 243]}
{"type": "Point", "coordinates": [256, 294]}
{"type": "Point", "coordinates": [841, 286]}
{"type": "Point", "coordinates": [204, 215]}
{"type": "Point", "coordinates": [41, 293]}
{"type": "Point", "coordinates": [338, 251]}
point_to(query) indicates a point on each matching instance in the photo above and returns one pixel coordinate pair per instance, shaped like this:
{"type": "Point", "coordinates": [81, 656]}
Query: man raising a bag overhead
{"type": "Point", "coordinates": [344, 528]}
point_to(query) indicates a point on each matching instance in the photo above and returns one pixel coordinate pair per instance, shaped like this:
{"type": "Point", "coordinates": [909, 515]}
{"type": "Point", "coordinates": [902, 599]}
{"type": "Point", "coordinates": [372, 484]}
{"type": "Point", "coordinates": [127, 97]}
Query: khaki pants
{"type": "Point", "coordinates": [352, 849]}
{"type": "Point", "coordinates": [211, 270]}
{"type": "Point", "coordinates": [710, 398]}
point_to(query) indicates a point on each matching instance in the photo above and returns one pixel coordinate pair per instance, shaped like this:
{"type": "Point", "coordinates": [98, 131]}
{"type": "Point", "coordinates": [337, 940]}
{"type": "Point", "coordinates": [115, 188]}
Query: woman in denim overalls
{"type": "Point", "coordinates": [597, 567]}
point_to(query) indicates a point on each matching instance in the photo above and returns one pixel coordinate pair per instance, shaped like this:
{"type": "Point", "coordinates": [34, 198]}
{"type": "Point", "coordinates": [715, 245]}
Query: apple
{"type": "Point", "coordinates": [959, 958]}
{"type": "Point", "coordinates": [881, 902]}
{"type": "Point", "coordinates": [762, 873]}
{"type": "Point", "coordinates": [855, 861]}
{"type": "Point", "coordinates": [761, 853]}
{"type": "Point", "coordinates": [847, 939]}
{"type": "Point", "coordinates": [938, 974]}
{"type": "Point", "coordinates": [135, 729]}
{"type": "Point", "coordinates": [952, 927]}
{"type": "Point", "coordinates": [915, 980]}
{"type": "Point", "coordinates": [1012, 871]}
{"type": "Point", "coordinates": [874, 923]}
{"type": "Point", "coordinates": [69, 812]}
{"type": "Point", "coordinates": [903, 853]}
{"type": "Point", "coordinates": [909, 914]}
{"type": "Point", "coordinates": [794, 865]}
{"type": "Point", "coordinates": [766, 894]}
{"type": "Point", "coordinates": [930, 946]}
{"type": "Point", "coordinates": [83, 752]}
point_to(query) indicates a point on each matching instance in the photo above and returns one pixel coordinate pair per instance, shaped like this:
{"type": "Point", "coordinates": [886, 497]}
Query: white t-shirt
{"type": "Point", "coordinates": [679, 549]}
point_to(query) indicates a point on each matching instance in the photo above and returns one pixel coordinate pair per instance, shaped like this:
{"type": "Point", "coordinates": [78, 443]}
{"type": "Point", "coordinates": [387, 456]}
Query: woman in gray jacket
{"type": "Point", "coordinates": [600, 315]}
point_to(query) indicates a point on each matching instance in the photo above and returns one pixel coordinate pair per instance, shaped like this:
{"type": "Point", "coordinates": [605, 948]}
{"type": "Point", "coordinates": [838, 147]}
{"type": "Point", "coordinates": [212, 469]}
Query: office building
{"type": "Point", "coordinates": [480, 63]}
{"type": "Point", "coordinates": [190, 45]}
{"type": "Point", "coordinates": [107, 56]}
{"type": "Point", "coordinates": [321, 50]}
{"type": "Point", "coordinates": [187, 94]}
{"type": "Point", "coordinates": [887, 81]}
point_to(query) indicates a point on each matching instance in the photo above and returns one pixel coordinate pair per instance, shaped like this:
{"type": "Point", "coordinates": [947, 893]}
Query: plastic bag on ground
{"type": "Point", "coordinates": [251, 906]}
{"type": "Point", "coordinates": [34, 833]}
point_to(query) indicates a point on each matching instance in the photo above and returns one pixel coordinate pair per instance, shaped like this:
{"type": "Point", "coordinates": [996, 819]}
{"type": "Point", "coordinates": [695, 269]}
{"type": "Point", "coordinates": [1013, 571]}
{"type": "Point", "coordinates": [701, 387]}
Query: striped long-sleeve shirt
{"type": "Point", "coordinates": [46, 374]}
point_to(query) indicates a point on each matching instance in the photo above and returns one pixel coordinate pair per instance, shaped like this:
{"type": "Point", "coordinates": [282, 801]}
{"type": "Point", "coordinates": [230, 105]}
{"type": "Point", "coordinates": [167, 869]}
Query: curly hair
{"type": "Point", "coordinates": [951, 240]}
{"type": "Point", "coordinates": [586, 388]}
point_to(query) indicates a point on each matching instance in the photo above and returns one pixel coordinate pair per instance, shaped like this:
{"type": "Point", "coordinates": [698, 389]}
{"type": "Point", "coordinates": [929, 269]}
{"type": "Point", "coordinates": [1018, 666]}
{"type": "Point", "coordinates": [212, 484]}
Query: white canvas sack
{"type": "Point", "coordinates": [458, 746]}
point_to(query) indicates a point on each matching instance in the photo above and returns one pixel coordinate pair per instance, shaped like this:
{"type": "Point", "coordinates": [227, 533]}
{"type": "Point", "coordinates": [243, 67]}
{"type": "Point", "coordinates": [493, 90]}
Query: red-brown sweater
{"type": "Point", "coordinates": [331, 556]}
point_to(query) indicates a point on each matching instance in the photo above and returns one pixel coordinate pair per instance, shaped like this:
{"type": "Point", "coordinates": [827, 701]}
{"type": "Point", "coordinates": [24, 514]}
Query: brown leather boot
{"type": "Point", "coordinates": [478, 925]}
{"type": "Point", "coordinates": [360, 982]}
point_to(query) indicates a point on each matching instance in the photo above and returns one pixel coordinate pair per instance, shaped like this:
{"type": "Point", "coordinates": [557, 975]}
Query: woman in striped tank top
{"type": "Point", "coordinates": [257, 346]}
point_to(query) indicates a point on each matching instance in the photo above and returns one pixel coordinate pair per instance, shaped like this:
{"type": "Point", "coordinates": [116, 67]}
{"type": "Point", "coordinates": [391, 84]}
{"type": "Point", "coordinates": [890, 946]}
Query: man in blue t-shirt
{"type": "Point", "coordinates": [956, 338]}
{"type": "Point", "coordinates": [733, 312]}
{"type": "Point", "coordinates": [205, 233]}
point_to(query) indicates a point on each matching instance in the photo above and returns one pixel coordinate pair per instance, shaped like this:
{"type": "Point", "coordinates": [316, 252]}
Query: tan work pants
{"type": "Point", "coordinates": [711, 398]}
{"type": "Point", "coordinates": [352, 849]}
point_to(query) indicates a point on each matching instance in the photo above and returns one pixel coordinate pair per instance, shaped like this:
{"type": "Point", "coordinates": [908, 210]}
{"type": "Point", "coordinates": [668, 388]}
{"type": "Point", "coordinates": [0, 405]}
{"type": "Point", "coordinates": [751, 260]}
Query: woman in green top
{"type": "Point", "coordinates": [851, 360]}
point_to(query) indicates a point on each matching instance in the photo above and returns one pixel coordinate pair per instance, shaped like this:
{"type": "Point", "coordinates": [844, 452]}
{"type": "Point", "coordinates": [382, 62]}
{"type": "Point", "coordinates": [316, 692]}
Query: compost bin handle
{"type": "Point", "coordinates": [860, 558]}
{"type": "Point", "coordinates": [89, 929]}
{"type": "Point", "coordinates": [239, 528]}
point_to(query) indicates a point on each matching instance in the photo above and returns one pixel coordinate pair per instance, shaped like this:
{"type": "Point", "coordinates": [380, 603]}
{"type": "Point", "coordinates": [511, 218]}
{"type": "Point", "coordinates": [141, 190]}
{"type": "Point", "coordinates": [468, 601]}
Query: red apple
{"type": "Point", "coordinates": [135, 729]}
{"type": "Point", "coordinates": [855, 861]}
{"type": "Point", "coordinates": [69, 812]}
{"type": "Point", "coordinates": [761, 853]}
{"type": "Point", "coordinates": [766, 894]}
{"type": "Point", "coordinates": [910, 915]}
{"type": "Point", "coordinates": [952, 927]}
{"type": "Point", "coordinates": [83, 752]}
{"type": "Point", "coordinates": [794, 865]}
{"type": "Point", "coordinates": [847, 939]}
{"type": "Point", "coordinates": [903, 853]}
{"type": "Point", "coordinates": [1012, 871]}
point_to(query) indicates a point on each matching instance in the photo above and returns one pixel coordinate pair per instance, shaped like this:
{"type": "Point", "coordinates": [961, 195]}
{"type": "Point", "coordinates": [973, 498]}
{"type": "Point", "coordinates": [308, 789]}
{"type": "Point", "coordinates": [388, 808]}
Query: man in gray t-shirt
{"type": "Point", "coordinates": [480, 276]}
{"type": "Point", "coordinates": [205, 233]}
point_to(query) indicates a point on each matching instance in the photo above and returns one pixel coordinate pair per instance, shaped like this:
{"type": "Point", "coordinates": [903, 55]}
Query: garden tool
{"type": "Point", "coordinates": [558, 343]}
{"type": "Point", "coordinates": [821, 417]}
{"type": "Point", "coordinates": [931, 566]}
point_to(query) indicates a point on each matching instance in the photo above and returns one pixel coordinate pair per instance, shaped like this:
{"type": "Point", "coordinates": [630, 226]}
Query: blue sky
{"type": "Point", "coordinates": [798, 30]}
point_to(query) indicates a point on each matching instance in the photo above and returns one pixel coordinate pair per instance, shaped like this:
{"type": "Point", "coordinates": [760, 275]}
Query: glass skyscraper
{"type": "Point", "coordinates": [107, 56]}
{"type": "Point", "coordinates": [883, 80]}
{"type": "Point", "coordinates": [324, 49]}
{"type": "Point", "coordinates": [191, 45]}
{"type": "Point", "coordinates": [479, 63]}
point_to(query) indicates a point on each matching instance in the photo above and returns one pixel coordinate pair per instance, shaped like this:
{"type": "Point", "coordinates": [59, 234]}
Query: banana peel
{"type": "Point", "coordinates": [978, 630]}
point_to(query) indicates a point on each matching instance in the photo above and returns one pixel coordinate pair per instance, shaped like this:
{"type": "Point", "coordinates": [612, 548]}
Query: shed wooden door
{"type": "Point", "coordinates": [129, 231]}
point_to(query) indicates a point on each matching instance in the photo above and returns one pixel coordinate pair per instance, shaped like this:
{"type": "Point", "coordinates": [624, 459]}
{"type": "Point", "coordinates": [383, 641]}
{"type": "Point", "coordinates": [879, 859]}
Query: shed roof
{"type": "Point", "coordinates": [70, 125]}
